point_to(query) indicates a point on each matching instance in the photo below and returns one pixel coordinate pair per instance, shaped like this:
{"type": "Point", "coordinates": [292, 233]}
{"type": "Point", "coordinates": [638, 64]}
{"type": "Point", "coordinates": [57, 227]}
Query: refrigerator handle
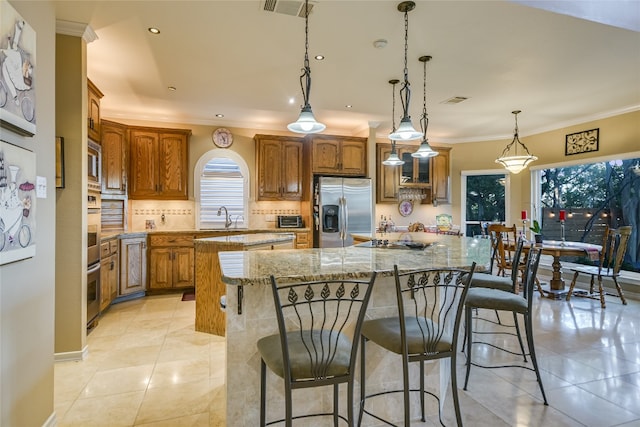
{"type": "Point", "coordinates": [345, 218]}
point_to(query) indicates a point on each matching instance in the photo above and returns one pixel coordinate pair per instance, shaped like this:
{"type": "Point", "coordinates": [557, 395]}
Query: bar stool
{"type": "Point", "coordinates": [494, 299]}
{"type": "Point", "coordinates": [319, 325]}
{"type": "Point", "coordinates": [430, 303]}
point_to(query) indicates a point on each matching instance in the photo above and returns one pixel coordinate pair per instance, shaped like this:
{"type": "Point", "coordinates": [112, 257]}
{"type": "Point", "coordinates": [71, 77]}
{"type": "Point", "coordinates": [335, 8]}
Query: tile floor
{"type": "Point", "coordinates": [148, 367]}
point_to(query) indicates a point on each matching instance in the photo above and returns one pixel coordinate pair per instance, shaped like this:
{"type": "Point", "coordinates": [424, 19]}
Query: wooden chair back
{"type": "Point", "coordinates": [503, 239]}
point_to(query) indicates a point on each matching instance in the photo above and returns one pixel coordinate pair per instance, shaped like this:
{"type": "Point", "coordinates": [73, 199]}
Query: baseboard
{"type": "Point", "coordinates": [51, 421]}
{"type": "Point", "coordinates": [71, 355]}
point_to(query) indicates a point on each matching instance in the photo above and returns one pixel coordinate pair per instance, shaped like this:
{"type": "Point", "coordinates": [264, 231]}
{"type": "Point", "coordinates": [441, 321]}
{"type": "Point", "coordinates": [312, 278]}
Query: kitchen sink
{"type": "Point", "coordinates": [392, 245]}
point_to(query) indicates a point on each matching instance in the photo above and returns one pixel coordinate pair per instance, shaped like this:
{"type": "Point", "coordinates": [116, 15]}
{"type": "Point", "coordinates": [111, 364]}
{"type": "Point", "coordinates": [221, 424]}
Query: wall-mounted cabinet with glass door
{"type": "Point", "coordinates": [430, 174]}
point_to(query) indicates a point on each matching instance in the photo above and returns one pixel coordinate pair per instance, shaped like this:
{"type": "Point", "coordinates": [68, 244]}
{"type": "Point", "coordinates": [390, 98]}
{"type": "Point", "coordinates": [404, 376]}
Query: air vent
{"type": "Point", "coordinates": [455, 100]}
{"type": "Point", "coordinates": [286, 7]}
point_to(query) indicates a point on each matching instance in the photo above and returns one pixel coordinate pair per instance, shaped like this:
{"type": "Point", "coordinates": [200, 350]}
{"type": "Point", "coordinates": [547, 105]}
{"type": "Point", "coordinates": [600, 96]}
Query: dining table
{"type": "Point", "coordinates": [558, 249]}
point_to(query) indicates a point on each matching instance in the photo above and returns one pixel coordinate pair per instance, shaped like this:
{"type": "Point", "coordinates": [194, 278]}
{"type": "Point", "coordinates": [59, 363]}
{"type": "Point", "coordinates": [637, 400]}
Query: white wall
{"type": "Point", "coordinates": [27, 287]}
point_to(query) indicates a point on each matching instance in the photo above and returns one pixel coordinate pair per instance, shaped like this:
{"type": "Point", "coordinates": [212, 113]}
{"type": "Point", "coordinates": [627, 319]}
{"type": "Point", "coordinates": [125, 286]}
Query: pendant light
{"type": "Point", "coordinates": [515, 163]}
{"type": "Point", "coordinates": [393, 159]}
{"type": "Point", "coordinates": [406, 131]}
{"type": "Point", "coordinates": [425, 150]}
{"type": "Point", "coordinates": [306, 122]}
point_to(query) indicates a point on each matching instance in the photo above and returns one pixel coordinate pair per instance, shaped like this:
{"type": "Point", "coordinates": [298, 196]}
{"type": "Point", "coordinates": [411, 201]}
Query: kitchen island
{"type": "Point", "coordinates": [251, 271]}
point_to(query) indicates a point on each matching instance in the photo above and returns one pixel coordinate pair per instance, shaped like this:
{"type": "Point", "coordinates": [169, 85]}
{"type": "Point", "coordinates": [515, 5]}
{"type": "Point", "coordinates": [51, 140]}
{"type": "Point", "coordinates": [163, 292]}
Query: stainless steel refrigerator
{"type": "Point", "coordinates": [341, 206]}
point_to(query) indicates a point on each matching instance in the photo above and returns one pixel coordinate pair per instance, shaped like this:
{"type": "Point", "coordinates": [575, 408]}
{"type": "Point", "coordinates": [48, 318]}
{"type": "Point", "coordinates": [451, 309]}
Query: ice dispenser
{"type": "Point", "coordinates": [330, 218]}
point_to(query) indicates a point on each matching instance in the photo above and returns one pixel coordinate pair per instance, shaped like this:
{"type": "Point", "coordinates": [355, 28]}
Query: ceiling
{"type": "Point", "coordinates": [234, 58]}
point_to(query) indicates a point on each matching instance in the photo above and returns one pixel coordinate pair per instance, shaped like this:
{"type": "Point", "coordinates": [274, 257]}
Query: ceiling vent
{"type": "Point", "coordinates": [455, 100]}
{"type": "Point", "coordinates": [286, 7]}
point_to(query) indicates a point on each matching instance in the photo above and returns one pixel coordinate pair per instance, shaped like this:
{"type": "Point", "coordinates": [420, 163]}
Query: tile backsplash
{"type": "Point", "coordinates": [181, 214]}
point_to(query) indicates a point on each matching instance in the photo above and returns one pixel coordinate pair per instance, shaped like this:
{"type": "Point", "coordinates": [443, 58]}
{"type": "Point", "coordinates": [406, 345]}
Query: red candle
{"type": "Point", "coordinates": [563, 215]}
{"type": "Point", "coordinates": [523, 215]}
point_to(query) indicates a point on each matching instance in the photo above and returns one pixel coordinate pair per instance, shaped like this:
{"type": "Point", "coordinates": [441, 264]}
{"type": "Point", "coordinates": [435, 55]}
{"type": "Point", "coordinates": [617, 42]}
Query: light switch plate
{"type": "Point", "coordinates": [41, 187]}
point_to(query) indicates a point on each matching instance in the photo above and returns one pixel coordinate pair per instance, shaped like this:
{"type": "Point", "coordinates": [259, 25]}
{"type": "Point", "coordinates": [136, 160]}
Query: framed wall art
{"type": "Point", "coordinates": [17, 203]}
{"type": "Point", "coordinates": [59, 162]}
{"type": "Point", "coordinates": [581, 142]}
{"type": "Point", "coordinates": [17, 75]}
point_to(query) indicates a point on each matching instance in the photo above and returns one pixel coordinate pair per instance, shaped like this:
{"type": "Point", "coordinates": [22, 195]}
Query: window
{"type": "Point", "coordinates": [221, 179]}
{"type": "Point", "coordinates": [484, 194]}
{"type": "Point", "coordinates": [594, 196]}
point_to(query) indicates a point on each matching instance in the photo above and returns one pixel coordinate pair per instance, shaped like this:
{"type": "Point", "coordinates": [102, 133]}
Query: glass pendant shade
{"type": "Point", "coordinates": [406, 131]}
{"type": "Point", "coordinates": [393, 160]}
{"type": "Point", "coordinates": [425, 151]}
{"type": "Point", "coordinates": [515, 163]}
{"type": "Point", "coordinates": [306, 122]}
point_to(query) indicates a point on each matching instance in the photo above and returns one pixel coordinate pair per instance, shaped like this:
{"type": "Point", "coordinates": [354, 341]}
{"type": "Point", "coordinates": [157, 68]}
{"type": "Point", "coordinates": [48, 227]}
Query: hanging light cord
{"type": "Point", "coordinates": [305, 77]}
{"type": "Point", "coordinates": [515, 138]}
{"type": "Point", "coordinates": [424, 120]}
{"type": "Point", "coordinates": [405, 92]}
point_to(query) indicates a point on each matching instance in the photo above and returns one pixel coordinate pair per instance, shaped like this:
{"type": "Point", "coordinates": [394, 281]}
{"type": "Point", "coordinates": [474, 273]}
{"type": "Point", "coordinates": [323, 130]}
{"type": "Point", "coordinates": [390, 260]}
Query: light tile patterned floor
{"type": "Point", "coordinates": [148, 367]}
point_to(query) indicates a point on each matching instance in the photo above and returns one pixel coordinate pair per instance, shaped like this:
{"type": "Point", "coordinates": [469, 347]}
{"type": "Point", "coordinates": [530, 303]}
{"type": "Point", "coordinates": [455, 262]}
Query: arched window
{"type": "Point", "coordinates": [221, 179]}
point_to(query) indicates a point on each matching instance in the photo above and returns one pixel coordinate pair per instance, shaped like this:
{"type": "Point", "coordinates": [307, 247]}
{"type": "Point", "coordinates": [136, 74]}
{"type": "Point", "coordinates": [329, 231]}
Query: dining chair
{"type": "Point", "coordinates": [319, 326]}
{"type": "Point", "coordinates": [426, 328]}
{"type": "Point", "coordinates": [495, 299]}
{"type": "Point", "coordinates": [502, 239]}
{"type": "Point", "coordinates": [614, 247]}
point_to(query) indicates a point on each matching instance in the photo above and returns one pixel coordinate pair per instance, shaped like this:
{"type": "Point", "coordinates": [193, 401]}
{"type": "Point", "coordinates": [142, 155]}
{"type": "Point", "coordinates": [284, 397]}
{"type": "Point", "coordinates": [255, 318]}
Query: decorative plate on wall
{"type": "Point", "coordinates": [405, 207]}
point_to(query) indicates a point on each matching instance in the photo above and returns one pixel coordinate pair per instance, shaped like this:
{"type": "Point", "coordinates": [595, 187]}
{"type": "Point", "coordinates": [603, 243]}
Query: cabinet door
{"type": "Point", "coordinates": [133, 265]}
{"type": "Point", "coordinates": [183, 267]}
{"type": "Point", "coordinates": [105, 291]}
{"type": "Point", "coordinates": [291, 170]}
{"type": "Point", "coordinates": [113, 158]}
{"type": "Point", "coordinates": [440, 176]}
{"type": "Point", "coordinates": [326, 156]}
{"type": "Point", "coordinates": [161, 266]}
{"type": "Point", "coordinates": [415, 170]}
{"type": "Point", "coordinates": [269, 171]}
{"type": "Point", "coordinates": [143, 171]}
{"type": "Point", "coordinates": [353, 157]}
{"type": "Point", "coordinates": [93, 113]}
{"type": "Point", "coordinates": [388, 177]}
{"type": "Point", "coordinates": [173, 166]}
{"type": "Point", "coordinates": [114, 276]}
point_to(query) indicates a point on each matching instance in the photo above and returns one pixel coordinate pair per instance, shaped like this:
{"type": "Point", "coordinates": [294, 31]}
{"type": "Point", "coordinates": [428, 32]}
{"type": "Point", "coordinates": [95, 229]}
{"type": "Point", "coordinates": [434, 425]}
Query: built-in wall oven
{"type": "Point", "coordinates": [93, 257]}
{"type": "Point", "coordinates": [94, 166]}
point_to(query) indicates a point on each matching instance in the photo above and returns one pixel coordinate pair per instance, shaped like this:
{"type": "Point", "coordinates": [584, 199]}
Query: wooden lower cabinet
{"type": "Point", "coordinates": [302, 240]}
{"type": "Point", "coordinates": [133, 265]}
{"type": "Point", "coordinates": [171, 261]}
{"type": "Point", "coordinates": [109, 273]}
{"type": "Point", "coordinates": [171, 268]}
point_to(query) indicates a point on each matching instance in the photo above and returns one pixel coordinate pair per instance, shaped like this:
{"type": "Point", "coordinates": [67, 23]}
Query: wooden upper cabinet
{"type": "Point", "coordinates": [337, 155]}
{"type": "Point", "coordinates": [387, 178]}
{"type": "Point", "coordinates": [440, 179]}
{"type": "Point", "coordinates": [93, 113]}
{"type": "Point", "coordinates": [158, 163]}
{"type": "Point", "coordinates": [431, 175]}
{"type": "Point", "coordinates": [114, 158]}
{"type": "Point", "coordinates": [280, 167]}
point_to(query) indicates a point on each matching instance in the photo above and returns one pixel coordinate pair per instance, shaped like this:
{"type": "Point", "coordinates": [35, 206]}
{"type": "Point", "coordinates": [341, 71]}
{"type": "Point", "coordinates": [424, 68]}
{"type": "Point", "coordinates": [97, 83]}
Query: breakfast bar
{"type": "Point", "coordinates": [252, 269]}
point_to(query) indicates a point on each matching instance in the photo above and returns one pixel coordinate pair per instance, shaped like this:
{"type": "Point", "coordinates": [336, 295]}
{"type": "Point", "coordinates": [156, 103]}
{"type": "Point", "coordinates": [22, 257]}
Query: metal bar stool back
{"type": "Point", "coordinates": [319, 325]}
{"type": "Point", "coordinates": [430, 303]}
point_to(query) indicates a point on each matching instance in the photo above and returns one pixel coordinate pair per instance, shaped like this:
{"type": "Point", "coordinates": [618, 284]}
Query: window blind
{"type": "Point", "coordinates": [221, 184]}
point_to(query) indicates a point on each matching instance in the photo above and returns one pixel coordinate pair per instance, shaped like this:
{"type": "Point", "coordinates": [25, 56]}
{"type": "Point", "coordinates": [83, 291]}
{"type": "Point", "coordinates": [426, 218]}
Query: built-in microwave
{"type": "Point", "coordinates": [94, 166]}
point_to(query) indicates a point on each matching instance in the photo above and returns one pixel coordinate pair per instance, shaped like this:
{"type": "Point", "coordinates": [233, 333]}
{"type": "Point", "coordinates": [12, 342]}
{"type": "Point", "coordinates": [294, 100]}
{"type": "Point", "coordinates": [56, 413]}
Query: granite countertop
{"type": "Point", "coordinates": [242, 240]}
{"type": "Point", "coordinates": [247, 267]}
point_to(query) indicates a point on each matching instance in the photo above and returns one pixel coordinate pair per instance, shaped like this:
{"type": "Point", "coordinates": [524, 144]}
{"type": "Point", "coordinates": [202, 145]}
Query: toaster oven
{"type": "Point", "coordinates": [290, 221]}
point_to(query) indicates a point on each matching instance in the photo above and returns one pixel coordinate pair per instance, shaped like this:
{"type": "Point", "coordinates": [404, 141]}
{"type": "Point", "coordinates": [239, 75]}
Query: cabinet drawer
{"type": "Point", "coordinates": [113, 246]}
{"type": "Point", "coordinates": [174, 240]}
{"type": "Point", "coordinates": [302, 238]}
{"type": "Point", "coordinates": [104, 250]}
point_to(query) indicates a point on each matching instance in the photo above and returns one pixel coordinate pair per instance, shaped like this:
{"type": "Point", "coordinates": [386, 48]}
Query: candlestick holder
{"type": "Point", "coordinates": [562, 232]}
{"type": "Point", "coordinates": [524, 230]}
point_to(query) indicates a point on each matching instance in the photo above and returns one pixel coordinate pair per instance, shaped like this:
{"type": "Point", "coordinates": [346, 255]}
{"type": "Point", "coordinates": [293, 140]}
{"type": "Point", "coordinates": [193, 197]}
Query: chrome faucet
{"type": "Point", "coordinates": [227, 221]}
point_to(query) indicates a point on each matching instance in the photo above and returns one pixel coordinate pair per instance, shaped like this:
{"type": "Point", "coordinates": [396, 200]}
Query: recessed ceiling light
{"type": "Point", "coordinates": [292, 100]}
{"type": "Point", "coordinates": [172, 88]}
{"type": "Point", "coordinates": [154, 30]}
{"type": "Point", "coordinates": [349, 106]}
{"type": "Point", "coordinates": [319, 57]}
{"type": "Point", "coordinates": [219, 115]}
